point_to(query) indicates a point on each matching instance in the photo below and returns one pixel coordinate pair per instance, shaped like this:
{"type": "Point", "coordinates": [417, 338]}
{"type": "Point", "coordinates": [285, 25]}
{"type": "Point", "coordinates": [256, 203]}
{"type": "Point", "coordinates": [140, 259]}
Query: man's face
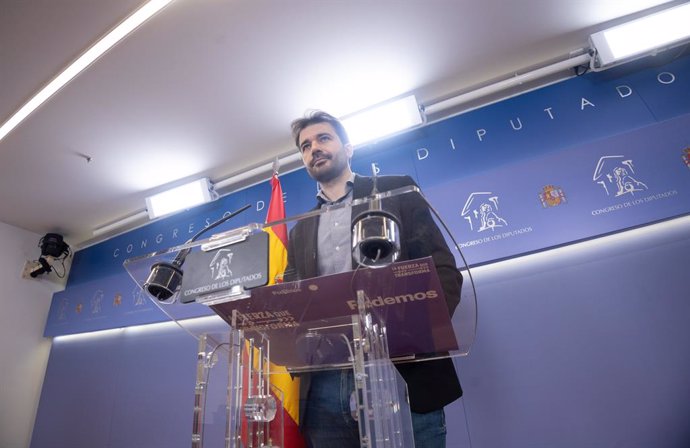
{"type": "Point", "coordinates": [323, 153]}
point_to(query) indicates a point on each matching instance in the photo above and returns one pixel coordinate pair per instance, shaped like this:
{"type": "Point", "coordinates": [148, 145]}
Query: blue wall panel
{"type": "Point", "coordinates": [127, 388]}
{"type": "Point", "coordinates": [585, 346]}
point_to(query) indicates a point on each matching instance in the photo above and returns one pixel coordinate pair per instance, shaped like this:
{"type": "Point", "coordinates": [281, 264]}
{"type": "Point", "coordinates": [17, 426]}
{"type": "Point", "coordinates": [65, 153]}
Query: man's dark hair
{"type": "Point", "coordinates": [315, 117]}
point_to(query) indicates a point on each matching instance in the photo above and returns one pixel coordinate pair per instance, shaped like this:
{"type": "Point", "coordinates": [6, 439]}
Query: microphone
{"type": "Point", "coordinates": [375, 233]}
{"type": "Point", "coordinates": [165, 278]}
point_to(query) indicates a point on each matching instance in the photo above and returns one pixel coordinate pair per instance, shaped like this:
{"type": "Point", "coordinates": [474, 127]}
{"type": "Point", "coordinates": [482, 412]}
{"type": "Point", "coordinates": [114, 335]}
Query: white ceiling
{"type": "Point", "coordinates": [209, 87]}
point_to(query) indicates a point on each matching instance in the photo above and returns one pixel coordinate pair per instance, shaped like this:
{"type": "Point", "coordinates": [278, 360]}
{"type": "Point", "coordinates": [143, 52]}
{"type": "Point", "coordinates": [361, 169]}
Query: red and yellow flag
{"type": "Point", "coordinates": [277, 262]}
{"type": "Point", "coordinates": [277, 235]}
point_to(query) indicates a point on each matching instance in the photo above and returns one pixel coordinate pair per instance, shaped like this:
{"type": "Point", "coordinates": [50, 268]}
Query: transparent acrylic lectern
{"type": "Point", "coordinates": [260, 339]}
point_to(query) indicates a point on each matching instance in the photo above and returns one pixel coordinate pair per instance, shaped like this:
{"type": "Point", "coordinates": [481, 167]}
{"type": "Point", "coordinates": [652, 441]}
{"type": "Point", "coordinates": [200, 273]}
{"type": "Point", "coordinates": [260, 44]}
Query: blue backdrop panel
{"type": "Point", "coordinates": [570, 195]}
{"type": "Point", "coordinates": [129, 388]}
{"type": "Point", "coordinates": [585, 346]}
{"type": "Point", "coordinates": [592, 155]}
{"type": "Point", "coordinates": [109, 302]}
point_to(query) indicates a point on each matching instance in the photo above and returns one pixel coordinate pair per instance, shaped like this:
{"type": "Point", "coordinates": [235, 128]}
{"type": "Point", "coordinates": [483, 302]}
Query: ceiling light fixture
{"type": "Point", "coordinates": [86, 59]}
{"type": "Point", "coordinates": [264, 171]}
{"type": "Point", "coordinates": [579, 57]}
{"type": "Point", "coordinates": [180, 198]}
{"type": "Point", "coordinates": [128, 221]}
{"type": "Point", "coordinates": [383, 120]}
{"type": "Point", "coordinates": [641, 37]}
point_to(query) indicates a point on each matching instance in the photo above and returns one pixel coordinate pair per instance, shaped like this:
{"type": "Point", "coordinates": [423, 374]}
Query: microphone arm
{"type": "Point", "coordinates": [181, 255]}
{"type": "Point", "coordinates": [375, 201]}
{"type": "Point", "coordinates": [165, 278]}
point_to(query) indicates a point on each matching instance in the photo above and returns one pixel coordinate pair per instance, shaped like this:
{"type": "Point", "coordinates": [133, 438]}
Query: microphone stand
{"type": "Point", "coordinates": [165, 278]}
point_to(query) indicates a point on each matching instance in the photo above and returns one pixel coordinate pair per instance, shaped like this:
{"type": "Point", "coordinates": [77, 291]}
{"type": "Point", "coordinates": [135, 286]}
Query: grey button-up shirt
{"type": "Point", "coordinates": [334, 234]}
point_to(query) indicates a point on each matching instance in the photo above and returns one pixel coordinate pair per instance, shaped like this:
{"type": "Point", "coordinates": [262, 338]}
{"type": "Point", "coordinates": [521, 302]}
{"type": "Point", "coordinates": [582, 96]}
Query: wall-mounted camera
{"type": "Point", "coordinates": [54, 250]}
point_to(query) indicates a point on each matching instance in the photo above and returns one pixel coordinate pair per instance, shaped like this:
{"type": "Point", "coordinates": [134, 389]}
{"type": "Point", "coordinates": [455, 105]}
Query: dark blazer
{"type": "Point", "coordinates": [431, 384]}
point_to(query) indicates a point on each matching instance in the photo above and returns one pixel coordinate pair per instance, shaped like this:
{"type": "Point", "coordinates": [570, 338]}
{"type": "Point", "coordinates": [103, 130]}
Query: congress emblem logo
{"type": "Point", "coordinates": [551, 196]}
{"type": "Point", "coordinates": [616, 174]}
{"type": "Point", "coordinates": [138, 296]}
{"type": "Point", "coordinates": [481, 211]}
{"type": "Point", "coordinates": [220, 265]}
{"type": "Point", "coordinates": [97, 302]}
{"type": "Point", "coordinates": [62, 310]}
{"type": "Point", "coordinates": [686, 156]}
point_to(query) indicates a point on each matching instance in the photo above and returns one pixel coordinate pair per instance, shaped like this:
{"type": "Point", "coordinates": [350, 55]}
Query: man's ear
{"type": "Point", "coordinates": [349, 149]}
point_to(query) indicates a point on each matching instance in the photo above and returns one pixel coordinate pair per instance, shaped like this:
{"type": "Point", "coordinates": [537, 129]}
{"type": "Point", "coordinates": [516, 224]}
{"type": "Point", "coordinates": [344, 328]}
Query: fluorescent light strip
{"type": "Point", "coordinates": [383, 120]}
{"type": "Point", "coordinates": [648, 33]}
{"type": "Point", "coordinates": [640, 37]}
{"type": "Point", "coordinates": [93, 53]}
{"type": "Point", "coordinates": [88, 335]}
{"type": "Point", "coordinates": [179, 198]}
{"type": "Point", "coordinates": [508, 83]}
{"type": "Point", "coordinates": [201, 322]}
{"type": "Point", "coordinates": [133, 218]}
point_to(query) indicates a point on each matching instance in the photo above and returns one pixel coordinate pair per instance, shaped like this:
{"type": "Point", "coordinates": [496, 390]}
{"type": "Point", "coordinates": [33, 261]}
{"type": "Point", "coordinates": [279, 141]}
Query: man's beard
{"type": "Point", "coordinates": [328, 174]}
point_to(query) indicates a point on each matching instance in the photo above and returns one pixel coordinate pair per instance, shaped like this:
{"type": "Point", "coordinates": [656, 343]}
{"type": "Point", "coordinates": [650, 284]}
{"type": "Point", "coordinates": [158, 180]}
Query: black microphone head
{"type": "Point", "coordinates": [376, 248]}
{"type": "Point", "coordinates": [163, 281]}
{"type": "Point", "coordinates": [375, 238]}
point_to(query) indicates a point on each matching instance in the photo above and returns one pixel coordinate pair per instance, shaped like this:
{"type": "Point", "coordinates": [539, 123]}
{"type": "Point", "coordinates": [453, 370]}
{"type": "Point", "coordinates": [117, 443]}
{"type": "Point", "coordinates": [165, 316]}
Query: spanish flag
{"type": "Point", "coordinates": [277, 262]}
{"type": "Point", "coordinates": [277, 235]}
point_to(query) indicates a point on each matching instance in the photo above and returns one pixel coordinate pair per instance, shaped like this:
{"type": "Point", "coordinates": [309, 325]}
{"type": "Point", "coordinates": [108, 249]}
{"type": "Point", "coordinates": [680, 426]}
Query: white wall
{"type": "Point", "coordinates": [24, 306]}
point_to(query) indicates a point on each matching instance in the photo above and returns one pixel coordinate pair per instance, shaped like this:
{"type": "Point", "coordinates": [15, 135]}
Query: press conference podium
{"type": "Point", "coordinates": [254, 339]}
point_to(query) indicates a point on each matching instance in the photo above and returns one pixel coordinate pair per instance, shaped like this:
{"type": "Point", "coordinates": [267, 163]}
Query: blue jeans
{"type": "Point", "coordinates": [328, 421]}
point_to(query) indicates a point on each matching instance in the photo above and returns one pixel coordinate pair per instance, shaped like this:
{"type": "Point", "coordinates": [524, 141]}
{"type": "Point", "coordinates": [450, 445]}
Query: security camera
{"type": "Point", "coordinates": [53, 245]}
{"type": "Point", "coordinates": [53, 248]}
